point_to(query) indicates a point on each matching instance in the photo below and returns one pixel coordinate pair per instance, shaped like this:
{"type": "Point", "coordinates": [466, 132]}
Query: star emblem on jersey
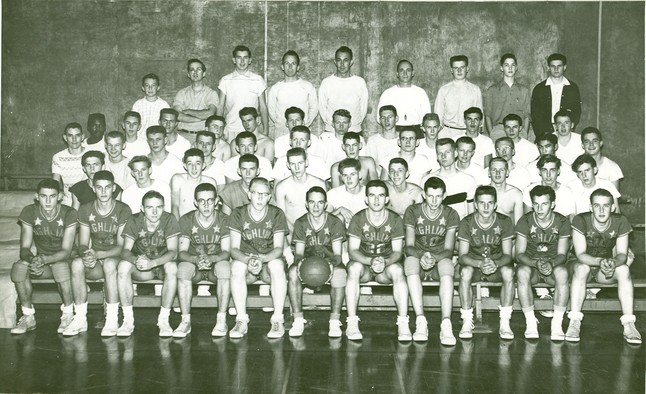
{"type": "Point", "coordinates": [387, 228]}
{"type": "Point", "coordinates": [497, 230]}
{"type": "Point", "coordinates": [194, 230]}
{"type": "Point", "coordinates": [60, 222]}
{"type": "Point", "coordinates": [590, 234]}
{"type": "Point", "coordinates": [474, 232]}
{"type": "Point", "coordinates": [114, 218]}
{"type": "Point", "coordinates": [326, 231]}
{"type": "Point", "coordinates": [142, 233]}
{"type": "Point", "coordinates": [37, 222]}
{"type": "Point", "coordinates": [308, 232]}
{"type": "Point", "coordinates": [246, 226]}
{"type": "Point", "coordinates": [532, 230]}
{"type": "Point", "coordinates": [420, 220]}
{"type": "Point", "coordinates": [555, 231]}
{"type": "Point", "coordinates": [612, 234]}
{"type": "Point", "coordinates": [216, 229]}
{"type": "Point", "coordinates": [268, 225]}
{"type": "Point", "coordinates": [366, 228]}
{"type": "Point", "coordinates": [91, 217]}
{"type": "Point", "coordinates": [442, 222]}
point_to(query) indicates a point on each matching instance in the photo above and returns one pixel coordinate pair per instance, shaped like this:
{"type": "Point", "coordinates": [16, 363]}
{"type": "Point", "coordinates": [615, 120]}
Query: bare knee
{"type": "Point", "coordinates": [507, 273]}
{"type": "Point", "coordinates": [78, 267]}
{"type": "Point", "coordinates": [524, 274]}
{"type": "Point", "coordinates": [170, 269]}
{"type": "Point", "coordinates": [581, 271]}
{"type": "Point", "coordinates": [354, 270]}
{"type": "Point", "coordinates": [560, 274]}
{"type": "Point", "coordinates": [466, 273]}
{"type": "Point", "coordinates": [124, 269]}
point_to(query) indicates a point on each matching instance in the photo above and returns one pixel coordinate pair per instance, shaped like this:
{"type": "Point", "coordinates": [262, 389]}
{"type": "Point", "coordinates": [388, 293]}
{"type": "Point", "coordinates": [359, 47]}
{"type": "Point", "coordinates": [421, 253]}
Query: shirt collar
{"type": "Point", "coordinates": [550, 82]}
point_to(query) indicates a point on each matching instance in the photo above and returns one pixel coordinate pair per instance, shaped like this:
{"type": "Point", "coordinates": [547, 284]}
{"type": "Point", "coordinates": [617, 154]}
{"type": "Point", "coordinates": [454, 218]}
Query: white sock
{"type": "Point", "coordinates": [81, 309]}
{"type": "Point", "coordinates": [128, 313]}
{"type": "Point", "coordinates": [28, 311]}
{"type": "Point", "coordinates": [164, 313]}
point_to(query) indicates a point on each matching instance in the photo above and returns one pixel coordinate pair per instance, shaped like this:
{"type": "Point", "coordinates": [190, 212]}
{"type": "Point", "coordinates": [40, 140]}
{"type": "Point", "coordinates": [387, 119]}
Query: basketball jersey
{"type": "Point", "coordinates": [48, 234]}
{"type": "Point", "coordinates": [257, 236]}
{"type": "Point", "coordinates": [485, 241]}
{"type": "Point", "coordinates": [430, 233]}
{"type": "Point", "coordinates": [600, 243]}
{"type": "Point", "coordinates": [376, 240]}
{"type": "Point", "coordinates": [204, 240]}
{"type": "Point", "coordinates": [103, 228]}
{"type": "Point", "coordinates": [318, 242]}
{"type": "Point", "coordinates": [542, 242]}
{"type": "Point", "coordinates": [152, 244]}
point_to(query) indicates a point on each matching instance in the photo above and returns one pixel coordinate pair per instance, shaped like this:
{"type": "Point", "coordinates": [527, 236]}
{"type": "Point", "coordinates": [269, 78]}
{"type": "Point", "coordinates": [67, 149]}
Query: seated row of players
{"type": "Point", "coordinates": [249, 245]}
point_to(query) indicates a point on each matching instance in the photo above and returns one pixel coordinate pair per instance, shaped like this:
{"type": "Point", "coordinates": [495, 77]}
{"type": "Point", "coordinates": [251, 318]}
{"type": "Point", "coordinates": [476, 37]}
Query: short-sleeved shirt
{"type": "Point", "coordinates": [318, 242]}
{"type": "Point", "coordinates": [48, 234]}
{"type": "Point", "coordinates": [187, 98]}
{"type": "Point", "coordinates": [257, 236]}
{"type": "Point", "coordinates": [233, 195]}
{"type": "Point", "coordinates": [84, 193]}
{"type": "Point", "coordinates": [600, 243]}
{"type": "Point", "coordinates": [69, 167]}
{"type": "Point", "coordinates": [240, 90]}
{"type": "Point", "coordinates": [543, 242]}
{"type": "Point", "coordinates": [151, 244]}
{"type": "Point", "coordinates": [204, 239]}
{"type": "Point", "coordinates": [149, 111]}
{"type": "Point", "coordinates": [103, 228]}
{"type": "Point", "coordinates": [581, 194]}
{"type": "Point", "coordinates": [170, 166]}
{"type": "Point", "coordinates": [430, 233]}
{"type": "Point", "coordinates": [376, 240]}
{"type": "Point", "coordinates": [485, 241]}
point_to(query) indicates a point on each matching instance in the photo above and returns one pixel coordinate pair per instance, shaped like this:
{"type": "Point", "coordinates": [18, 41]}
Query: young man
{"type": "Point", "coordinates": [292, 91]}
{"type": "Point", "coordinates": [250, 123]}
{"type": "Point", "coordinates": [352, 146]}
{"type": "Point", "coordinates": [221, 149]}
{"type": "Point", "coordinates": [140, 168]}
{"type": "Point", "coordinates": [135, 136]}
{"type": "Point", "coordinates": [592, 142]}
{"type": "Point", "coordinates": [466, 149]}
{"type": "Point", "coordinates": [317, 233]}
{"type": "Point", "coordinates": [236, 194]}
{"type": "Point", "coordinates": [66, 164]}
{"type": "Point", "coordinates": [459, 185]}
{"type": "Point", "coordinates": [151, 239]}
{"type": "Point", "coordinates": [525, 150]}
{"type": "Point", "coordinates": [375, 243]}
{"type": "Point", "coordinates": [485, 241]}
{"type": "Point", "coordinates": [83, 191]}
{"type": "Point", "coordinates": [51, 227]}
{"type": "Point", "coordinates": [116, 162]}
{"type": "Point", "coordinates": [510, 198]}
{"type": "Point", "coordinates": [96, 131]}
{"type": "Point", "coordinates": [295, 116]}
{"type": "Point", "coordinates": [554, 94]}
{"type": "Point", "coordinates": [101, 223]}
{"type": "Point", "coordinates": [569, 146]}
{"type": "Point", "coordinates": [207, 142]}
{"type": "Point", "coordinates": [195, 103]}
{"type": "Point", "coordinates": [257, 233]}
{"type": "Point", "coordinates": [242, 88]}
{"type": "Point", "coordinates": [333, 142]}
{"type": "Point", "coordinates": [456, 96]}
{"type": "Point", "coordinates": [600, 239]}
{"type": "Point", "coordinates": [149, 105]}
{"type": "Point", "coordinates": [316, 166]}
{"type": "Point", "coordinates": [176, 144]}
{"type": "Point", "coordinates": [348, 199]}
{"type": "Point", "coordinates": [418, 165]}
{"type": "Point", "coordinates": [182, 186]}
{"type": "Point", "coordinates": [585, 168]}
{"type": "Point", "coordinates": [549, 168]}
{"type": "Point", "coordinates": [484, 145]}
{"type": "Point", "coordinates": [402, 193]}
{"type": "Point", "coordinates": [384, 143]}
{"type": "Point", "coordinates": [507, 96]}
{"type": "Point", "coordinates": [431, 126]}
{"type": "Point", "coordinates": [164, 164]}
{"type": "Point", "coordinates": [343, 90]}
{"type": "Point", "coordinates": [430, 241]}
{"type": "Point", "coordinates": [203, 255]}
{"type": "Point", "coordinates": [246, 143]}
{"type": "Point", "coordinates": [517, 175]}
{"type": "Point", "coordinates": [542, 244]}
{"type": "Point", "coordinates": [548, 144]}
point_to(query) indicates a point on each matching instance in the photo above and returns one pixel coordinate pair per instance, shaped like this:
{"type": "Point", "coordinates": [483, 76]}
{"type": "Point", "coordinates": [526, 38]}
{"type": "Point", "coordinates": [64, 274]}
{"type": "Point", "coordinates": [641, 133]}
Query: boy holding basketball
{"type": "Point", "coordinates": [321, 234]}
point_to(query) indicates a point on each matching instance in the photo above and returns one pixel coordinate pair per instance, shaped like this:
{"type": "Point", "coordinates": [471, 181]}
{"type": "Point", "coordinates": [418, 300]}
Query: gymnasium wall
{"type": "Point", "coordinates": [63, 59]}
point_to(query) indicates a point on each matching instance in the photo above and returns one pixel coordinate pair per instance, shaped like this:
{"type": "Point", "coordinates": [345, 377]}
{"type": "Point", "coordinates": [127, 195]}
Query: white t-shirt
{"type": "Point", "coordinates": [343, 93]}
{"type": "Point", "coordinates": [179, 147]}
{"type": "Point", "coordinates": [525, 152]}
{"type": "Point", "coordinates": [484, 147]}
{"type": "Point", "coordinates": [582, 194]}
{"type": "Point", "coordinates": [568, 153]}
{"type": "Point", "coordinates": [379, 147]}
{"type": "Point", "coordinates": [133, 194]}
{"type": "Point", "coordinates": [139, 147]}
{"type": "Point", "coordinates": [478, 173]}
{"type": "Point", "coordinates": [518, 177]}
{"type": "Point", "coordinates": [216, 171]}
{"type": "Point", "coordinates": [609, 170]}
{"type": "Point", "coordinates": [169, 167]}
{"type": "Point", "coordinates": [411, 102]}
{"type": "Point", "coordinates": [339, 197]}
{"type": "Point", "coordinates": [121, 172]}
{"type": "Point", "coordinates": [241, 90]}
{"type": "Point", "coordinates": [564, 203]}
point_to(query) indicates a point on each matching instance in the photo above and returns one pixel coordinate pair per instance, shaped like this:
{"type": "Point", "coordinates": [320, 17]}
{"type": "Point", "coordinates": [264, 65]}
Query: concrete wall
{"type": "Point", "coordinates": [63, 59]}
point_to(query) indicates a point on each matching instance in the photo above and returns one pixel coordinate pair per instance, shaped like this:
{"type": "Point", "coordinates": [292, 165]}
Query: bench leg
{"type": "Point", "coordinates": [480, 327]}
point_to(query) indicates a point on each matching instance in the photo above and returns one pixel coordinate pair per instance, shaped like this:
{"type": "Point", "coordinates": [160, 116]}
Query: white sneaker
{"type": "Point", "coordinates": [446, 333]}
{"type": "Point", "coordinates": [66, 320]}
{"type": "Point", "coordinates": [24, 324]}
{"type": "Point", "coordinates": [165, 329]}
{"type": "Point", "coordinates": [182, 330]}
{"type": "Point", "coordinates": [126, 329]}
{"type": "Point", "coordinates": [631, 335]}
{"type": "Point", "coordinates": [220, 329]}
{"type": "Point", "coordinates": [352, 330]}
{"type": "Point", "coordinates": [277, 329]}
{"type": "Point", "coordinates": [110, 327]}
{"type": "Point", "coordinates": [421, 329]}
{"type": "Point", "coordinates": [466, 332]}
{"type": "Point", "coordinates": [505, 330]}
{"type": "Point", "coordinates": [239, 330]}
{"type": "Point", "coordinates": [557, 333]}
{"type": "Point", "coordinates": [573, 333]}
{"type": "Point", "coordinates": [546, 313]}
{"type": "Point", "coordinates": [531, 332]}
{"type": "Point", "coordinates": [334, 329]}
{"type": "Point", "coordinates": [403, 331]}
{"type": "Point", "coordinates": [76, 326]}
{"type": "Point", "coordinates": [298, 326]}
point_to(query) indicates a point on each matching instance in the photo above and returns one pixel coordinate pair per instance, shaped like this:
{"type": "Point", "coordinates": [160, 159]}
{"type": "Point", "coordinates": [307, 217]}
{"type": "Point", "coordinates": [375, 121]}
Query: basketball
{"type": "Point", "coordinates": [314, 271]}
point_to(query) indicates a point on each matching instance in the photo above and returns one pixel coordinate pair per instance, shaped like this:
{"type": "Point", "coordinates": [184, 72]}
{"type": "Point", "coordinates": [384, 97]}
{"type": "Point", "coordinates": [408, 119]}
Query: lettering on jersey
{"type": "Point", "coordinates": [152, 245]}
{"type": "Point", "coordinates": [480, 238]}
{"type": "Point", "coordinates": [49, 229]}
{"type": "Point", "coordinates": [548, 236]}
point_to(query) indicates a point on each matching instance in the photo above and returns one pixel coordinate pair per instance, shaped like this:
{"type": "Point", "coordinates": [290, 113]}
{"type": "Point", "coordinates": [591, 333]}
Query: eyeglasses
{"type": "Point", "coordinates": [208, 201]}
{"type": "Point", "coordinates": [260, 194]}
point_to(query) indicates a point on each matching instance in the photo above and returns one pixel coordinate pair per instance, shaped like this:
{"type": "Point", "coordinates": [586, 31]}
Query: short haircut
{"type": "Point", "coordinates": [114, 134]}
{"type": "Point", "coordinates": [260, 180]}
{"type": "Point", "coordinates": [95, 116]}
{"type": "Point", "coordinates": [591, 130]}
{"type": "Point", "coordinates": [300, 129]}
{"type": "Point", "coordinates": [351, 135]}
{"type": "Point", "coordinates": [388, 108]}
{"type": "Point", "coordinates": [344, 49]}
{"type": "Point", "coordinates": [244, 135]}
{"type": "Point", "coordinates": [349, 163]}
{"type": "Point", "coordinates": [291, 53]}
{"type": "Point", "coordinates": [583, 159]}
{"type": "Point", "coordinates": [446, 141]}
{"type": "Point", "coordinates": [48, 183]}
{"type": "Point", "coordinates": [293, 152]}
{"type": "Point", "coordinates": [241, 48]}
{"type": "Point", "coordinates": [343, 113]}
{"type": "Point", "coordinates": [407, 128]}
{"type": "Point", "coordinates": [466, 140]}
{"type": "Point", "coordinates": [248, 158]}
{"type": "Point", "coordinates": [508, 56]}
{"type": "Point", "coordinates": [549, 137]}
{"type": "Point", "coordinates": [132, 114]}
{"type": "Point", "coordinates": [563, 113]}
{"type": "Point", "coordinates": [205, 187]}
{"type": "Point", "coordinates": [103, 175]}
{"type": "Point", "coordinates": [431, 116]}
{"type": "Point", "coordinates": [473, 110]}
{"type": "Point", "coordinates": [512, 117]}
{"type": "Point", "coordinates": [498, 160]}
{"type": "Point", "coordinates": [150, 76]}
{"type": "Point", "coordinates": [399, 63]}
{"type": "Point", "coordinates": [294, 110]}
{"type": "Point", "coordinates": [556, 56]}
{"type": "Point", "coordinates": [139, 159]}
{"type": "Point", "coordinates": [168, 111]}
{"type": "Point", "coordinates": [150, 194]}
{"type": "Point", "coordinates": [213, 118]}
{"type": "Point", "coordinates": [434, 183]}
{"type": "Point", "coordinates": [73, 125]}
{"type": "Point", "coordinates": [205, 133]}
{"type": "Point", "coordinates": [156, 130]}
{"type": "Point", "coordinates": [193, 152]}
{"type": "Point", "coordinates": [505, 139]}
{"type": "Point", "coordinates": [376, 183]}
{"type": "Point", "coordinates": [191, 61]}
{"type": "Point", "coordinates": [458, 58]}
{"type": "Point", "coordinates": [486, 190]}
{"type": "Point", "coordinates": [541, 190]}
{"type": "Point", "coordinates": [545, 159]}
{"type": "Point", "coordinates": [601, 192]}
{"type": "Point", "coordinates": [398, 160]}
{"type": "Point", "coordinates": [93, 153]}
{"type": "Point", "coordinates": [316, 189]}
{"type": "Point", "coordinates": [248, 111]}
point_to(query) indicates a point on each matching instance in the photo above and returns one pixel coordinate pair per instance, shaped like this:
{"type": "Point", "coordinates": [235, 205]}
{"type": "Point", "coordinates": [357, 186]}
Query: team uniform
{"type": "Point", "coordinates": [85, 194]}
{"type": "Point", "coordinates": [205, 240]}
{"type": "Point", "coordinates": [542, 242]}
